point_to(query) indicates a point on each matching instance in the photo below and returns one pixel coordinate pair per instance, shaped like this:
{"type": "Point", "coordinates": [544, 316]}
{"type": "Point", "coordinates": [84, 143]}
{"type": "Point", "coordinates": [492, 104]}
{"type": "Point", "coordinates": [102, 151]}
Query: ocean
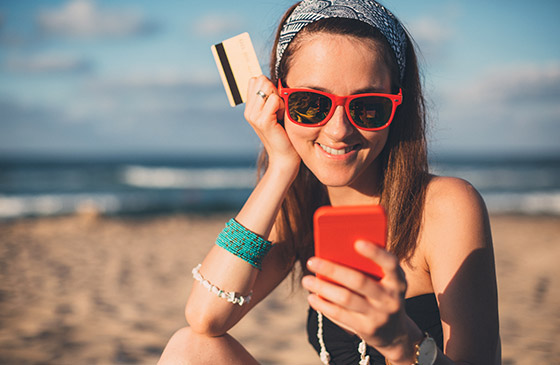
{"type": "Point", "coordinates": [34, 187]}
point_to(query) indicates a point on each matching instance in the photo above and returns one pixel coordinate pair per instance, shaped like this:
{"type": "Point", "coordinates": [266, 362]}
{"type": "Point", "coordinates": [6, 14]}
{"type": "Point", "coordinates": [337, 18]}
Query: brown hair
{"type": "Point", "coordinates": [403, 161]}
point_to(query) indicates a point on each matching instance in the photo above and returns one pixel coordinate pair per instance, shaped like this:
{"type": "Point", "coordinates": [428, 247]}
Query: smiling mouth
{"type": "Point", "coordinates": [338, 152]}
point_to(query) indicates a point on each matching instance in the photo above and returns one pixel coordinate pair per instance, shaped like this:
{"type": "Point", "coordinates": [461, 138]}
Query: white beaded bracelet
{"type": "Point", "coordinates": [227, 295]}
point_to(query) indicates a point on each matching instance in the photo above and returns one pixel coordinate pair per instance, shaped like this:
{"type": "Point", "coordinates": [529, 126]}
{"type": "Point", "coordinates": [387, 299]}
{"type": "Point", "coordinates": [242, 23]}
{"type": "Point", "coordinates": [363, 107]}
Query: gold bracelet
{"type": "Point", "coordinates": [417, 350]}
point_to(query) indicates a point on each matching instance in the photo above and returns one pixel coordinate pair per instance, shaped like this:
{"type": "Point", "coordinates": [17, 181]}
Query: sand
{"type": "Point", "coordinates": [99, 290]}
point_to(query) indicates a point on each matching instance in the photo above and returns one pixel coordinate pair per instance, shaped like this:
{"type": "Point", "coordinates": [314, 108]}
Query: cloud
{"type": "Point", "coordinates": [161, 93]}
{"type": "Point", "coordinates": [531, 84]}
{"type": "Point", "coordinates": [429, 30]}
{"type": "Point", "coordinates": [49, 63]}
{"type": "Point", "coordinates": [130, 125]}
{"type": "Point", "coordinates": [167, 78]}
{"type": "Point", "coordinates": [164, 111]}
{"type": "Point", "coordinates": [82, 18]}
{"type": "Point", "coordinates": [514, 107]}
{"type": "Point", "coordinates": [218, 24]}
{"type": "Point", "coordinates": [432, 35]}
{"type": "Point", "coordinates": [526, 84]}
{"type": "Point", "coordinates": [29, 128]}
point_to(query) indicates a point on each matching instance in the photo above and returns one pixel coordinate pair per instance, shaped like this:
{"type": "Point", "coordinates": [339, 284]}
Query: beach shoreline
{"type": "Point", "coordinates": [95, 289]}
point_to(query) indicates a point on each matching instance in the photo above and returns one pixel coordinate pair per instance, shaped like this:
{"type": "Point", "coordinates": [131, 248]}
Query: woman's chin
{"type": "Point", "coordinates": [335, 180]}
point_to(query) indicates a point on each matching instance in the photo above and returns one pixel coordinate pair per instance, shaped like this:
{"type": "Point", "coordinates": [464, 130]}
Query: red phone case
{"type": "Point", "coordinates": [336, 229]}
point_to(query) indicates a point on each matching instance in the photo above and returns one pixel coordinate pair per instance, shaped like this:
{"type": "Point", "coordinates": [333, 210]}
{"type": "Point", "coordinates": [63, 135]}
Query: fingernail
{"type": "Point", "coordinates": [310, 262]}
{"type": "Point", "coordinates": [360, 244]}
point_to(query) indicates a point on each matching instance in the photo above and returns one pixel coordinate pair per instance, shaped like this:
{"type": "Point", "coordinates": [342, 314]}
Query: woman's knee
{"type": "Point", "coordinates": [177, 349]}
{"type": "Point", "coordinates": [188, 347]}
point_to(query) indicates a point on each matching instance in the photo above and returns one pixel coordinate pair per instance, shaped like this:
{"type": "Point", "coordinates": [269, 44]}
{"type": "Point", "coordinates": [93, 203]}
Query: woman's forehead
{"type": "Point", "coordinates": [329, 61]}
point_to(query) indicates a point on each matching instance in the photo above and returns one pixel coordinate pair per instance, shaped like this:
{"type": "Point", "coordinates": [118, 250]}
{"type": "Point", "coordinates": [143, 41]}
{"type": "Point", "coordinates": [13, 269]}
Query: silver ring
{"type": "Point", "coordinates": [261, 94]}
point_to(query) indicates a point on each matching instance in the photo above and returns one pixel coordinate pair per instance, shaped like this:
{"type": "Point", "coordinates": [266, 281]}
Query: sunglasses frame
{"type": "Point", "coordinates": [285, 92]}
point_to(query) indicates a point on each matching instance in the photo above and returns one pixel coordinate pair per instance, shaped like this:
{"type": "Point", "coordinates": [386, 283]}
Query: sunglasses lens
{"type": "Point", "coordinates": [308, 107]}
{"type": "Point", "coordinates": [371, 111]}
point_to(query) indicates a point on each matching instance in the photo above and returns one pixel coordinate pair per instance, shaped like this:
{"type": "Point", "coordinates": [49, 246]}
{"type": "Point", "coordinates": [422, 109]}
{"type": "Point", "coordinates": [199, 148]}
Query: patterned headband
{"type": "Point", "coordinates": [367, 11]}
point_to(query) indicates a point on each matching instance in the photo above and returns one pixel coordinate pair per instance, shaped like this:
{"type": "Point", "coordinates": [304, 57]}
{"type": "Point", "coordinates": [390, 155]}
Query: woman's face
{"type": "Point", "coordinates": [338, 153]}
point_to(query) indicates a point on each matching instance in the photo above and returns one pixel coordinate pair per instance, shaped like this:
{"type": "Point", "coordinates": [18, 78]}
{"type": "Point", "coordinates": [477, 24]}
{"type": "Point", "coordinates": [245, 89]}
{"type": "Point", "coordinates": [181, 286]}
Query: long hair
{"type": "Point", "coordinates": [403, 161]}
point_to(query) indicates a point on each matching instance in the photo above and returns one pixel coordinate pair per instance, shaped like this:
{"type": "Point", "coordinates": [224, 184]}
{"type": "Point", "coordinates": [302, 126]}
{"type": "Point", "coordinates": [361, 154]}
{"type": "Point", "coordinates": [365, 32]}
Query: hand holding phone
{"type": "Point", "coordinates": [336, 229]}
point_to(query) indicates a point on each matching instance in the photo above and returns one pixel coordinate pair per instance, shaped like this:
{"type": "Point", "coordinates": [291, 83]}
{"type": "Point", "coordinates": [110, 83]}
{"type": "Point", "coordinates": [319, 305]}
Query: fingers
{"type": "Point", "coordinates": [263, 102]}
{"type": "Point", "coordinates": [340, 315]}
{"type": "Point", "coordinates": [262, 94]}
{"type": "Point", "coordinates": [386, 294]}
{"type": "Point", "coordinates": [260, 83]}
{"type": "Point", "coordinates": [394, 277]}
{"type": "Point", "coordinates": [352, 279]}
{"type": "Point", "coordinates": [353, 299]}
{"type": "Point", "coordinates": [263, 110]}
{"type": "Point", "coordinates": [355, 313]}
{"type": "Point", "coordinates": [337, 294]}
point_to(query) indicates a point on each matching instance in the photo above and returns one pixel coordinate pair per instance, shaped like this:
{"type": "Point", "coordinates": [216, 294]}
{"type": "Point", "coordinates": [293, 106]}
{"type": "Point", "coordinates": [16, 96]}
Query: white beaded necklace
{"type": "Point", "coordinates": [324, 354]}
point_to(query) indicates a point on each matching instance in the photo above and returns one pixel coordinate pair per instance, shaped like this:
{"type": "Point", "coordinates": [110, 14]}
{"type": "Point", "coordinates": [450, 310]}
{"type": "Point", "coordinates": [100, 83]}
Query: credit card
{"type": "Point", "coordinates": [237, 62]}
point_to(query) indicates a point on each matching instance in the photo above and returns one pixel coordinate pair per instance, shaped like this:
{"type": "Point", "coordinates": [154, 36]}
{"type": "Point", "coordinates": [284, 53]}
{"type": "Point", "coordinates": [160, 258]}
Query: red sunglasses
{"type": "Point", "coordinates": [312, 108]}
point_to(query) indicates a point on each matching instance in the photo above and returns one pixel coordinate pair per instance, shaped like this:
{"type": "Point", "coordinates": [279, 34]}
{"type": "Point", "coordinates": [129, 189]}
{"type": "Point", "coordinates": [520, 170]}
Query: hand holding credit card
{"type": "Point", "coordinates": [237, 62]}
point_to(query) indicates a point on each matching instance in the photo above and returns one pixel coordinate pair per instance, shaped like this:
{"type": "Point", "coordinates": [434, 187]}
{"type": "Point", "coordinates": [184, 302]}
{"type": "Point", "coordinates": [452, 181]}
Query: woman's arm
{"type": "Point", "coordinates": [205, 312]}
{"type": "Point", "coordinates": [460, 258]}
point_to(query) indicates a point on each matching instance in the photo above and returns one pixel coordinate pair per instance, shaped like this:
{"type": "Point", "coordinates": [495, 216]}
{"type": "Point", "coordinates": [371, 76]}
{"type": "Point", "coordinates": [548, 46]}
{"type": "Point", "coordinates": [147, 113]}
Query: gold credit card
{"type": "Point", "coordinates": [237, 62]}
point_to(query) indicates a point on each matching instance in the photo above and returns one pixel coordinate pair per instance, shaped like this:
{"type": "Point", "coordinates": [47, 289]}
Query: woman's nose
{"type": "Point", "coordinates": [339, 126]}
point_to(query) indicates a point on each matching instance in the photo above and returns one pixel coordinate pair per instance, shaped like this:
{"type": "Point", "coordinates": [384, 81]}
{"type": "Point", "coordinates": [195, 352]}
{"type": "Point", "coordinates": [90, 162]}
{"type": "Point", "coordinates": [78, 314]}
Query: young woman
{"type": "Point", "coordinates": [342, 123]}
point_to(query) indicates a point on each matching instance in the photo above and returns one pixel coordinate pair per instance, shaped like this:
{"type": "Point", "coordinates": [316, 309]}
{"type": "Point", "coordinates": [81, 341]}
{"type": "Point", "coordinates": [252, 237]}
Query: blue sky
{"type": "Point", "coordinates": [85, 77]}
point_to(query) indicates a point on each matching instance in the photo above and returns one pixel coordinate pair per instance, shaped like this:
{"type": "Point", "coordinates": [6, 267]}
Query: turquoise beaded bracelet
{"type": "Point", "coordinates": [243, 243]}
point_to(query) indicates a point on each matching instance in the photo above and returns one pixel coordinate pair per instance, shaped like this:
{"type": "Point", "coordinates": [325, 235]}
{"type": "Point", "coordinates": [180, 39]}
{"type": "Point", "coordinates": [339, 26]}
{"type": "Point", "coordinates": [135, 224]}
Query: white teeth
{"type": "Point", "coordinates": [333, 151]}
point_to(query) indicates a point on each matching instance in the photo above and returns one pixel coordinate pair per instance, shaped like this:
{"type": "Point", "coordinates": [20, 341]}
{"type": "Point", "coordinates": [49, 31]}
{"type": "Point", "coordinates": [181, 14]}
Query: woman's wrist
{"type": "Point", "coordinates": [403, 350]}
{"type": "Point", "coordinates": [285, 169]}
{"type": "Point", "coordinates": [261, 208]}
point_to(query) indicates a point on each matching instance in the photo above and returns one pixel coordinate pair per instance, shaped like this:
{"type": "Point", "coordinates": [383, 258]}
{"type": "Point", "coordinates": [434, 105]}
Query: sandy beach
{"type": "Point", "coordinates": [99, 290]}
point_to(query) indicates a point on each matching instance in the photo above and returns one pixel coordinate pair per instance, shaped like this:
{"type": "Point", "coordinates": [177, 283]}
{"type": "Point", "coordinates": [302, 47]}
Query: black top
{"type": "Point", "coordinates": [343, 347]}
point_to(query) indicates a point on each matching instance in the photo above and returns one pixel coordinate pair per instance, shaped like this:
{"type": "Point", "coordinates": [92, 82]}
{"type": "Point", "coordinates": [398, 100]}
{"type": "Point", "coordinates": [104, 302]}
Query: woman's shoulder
{"type": "Point", "coordinates": [454, 211]}
{"type": "Point", "coordinates": [447, 196]}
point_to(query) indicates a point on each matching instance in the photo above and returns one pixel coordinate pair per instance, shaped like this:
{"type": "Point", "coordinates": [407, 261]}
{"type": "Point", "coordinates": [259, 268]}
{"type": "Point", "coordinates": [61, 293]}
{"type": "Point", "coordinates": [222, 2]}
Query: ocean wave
{"type": "Point", "coordinates": [57, 204]}
{"type": "Point", "coordinates": [128, 202]}
{"type": "Point", "coordinates": [532, 203]}
{"type": "Point", "coordinates": [184, 178]}
{"type": "Point", "coordinates": [16, 206]}
{"type": "Point", "coordinates": [33, 189]}
{"type": "Point", "coordinates": [501, 178]}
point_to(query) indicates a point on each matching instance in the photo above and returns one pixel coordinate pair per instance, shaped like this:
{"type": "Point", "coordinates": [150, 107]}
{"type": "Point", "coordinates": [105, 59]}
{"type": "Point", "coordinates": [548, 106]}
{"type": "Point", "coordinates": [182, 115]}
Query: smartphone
{"type": "Point", "coordinates": [336, 229]}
